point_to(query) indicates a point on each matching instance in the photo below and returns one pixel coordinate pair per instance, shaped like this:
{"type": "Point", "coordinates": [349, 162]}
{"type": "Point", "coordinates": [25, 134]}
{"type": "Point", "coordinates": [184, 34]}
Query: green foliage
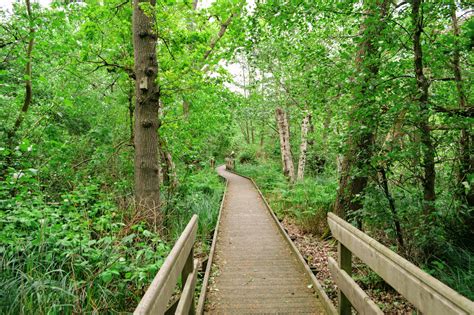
{"type": "Point", "coordinates": [268, 176]}
{"type": "Point", "coordinates": [456, 269]}
{"type": "Point", "coordinates": [200, 193]}
{"type": "Point", "coordinates": [248, 155]}
{"type": "Point", "coordinates": [71, 255]}
{"type": "Point", "coordinates": [70, 240]}
{"type": "Point", "coordinates": [308, 201]}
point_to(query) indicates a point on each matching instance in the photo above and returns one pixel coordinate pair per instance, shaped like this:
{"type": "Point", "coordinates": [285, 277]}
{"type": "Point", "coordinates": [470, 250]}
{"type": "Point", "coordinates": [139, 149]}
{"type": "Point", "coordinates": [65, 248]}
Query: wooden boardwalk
{"type": "Point", "coordinates": [254, 269]}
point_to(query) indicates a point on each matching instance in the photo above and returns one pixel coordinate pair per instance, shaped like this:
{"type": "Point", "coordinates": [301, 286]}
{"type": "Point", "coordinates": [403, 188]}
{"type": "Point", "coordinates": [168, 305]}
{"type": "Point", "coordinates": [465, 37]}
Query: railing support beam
{"type": "Point", "coordinates": [345, 263]}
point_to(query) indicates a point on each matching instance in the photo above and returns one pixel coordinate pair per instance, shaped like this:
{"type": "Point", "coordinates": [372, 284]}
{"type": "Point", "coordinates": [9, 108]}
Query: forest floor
{"type": "Point", "coordinates": [316, 253]}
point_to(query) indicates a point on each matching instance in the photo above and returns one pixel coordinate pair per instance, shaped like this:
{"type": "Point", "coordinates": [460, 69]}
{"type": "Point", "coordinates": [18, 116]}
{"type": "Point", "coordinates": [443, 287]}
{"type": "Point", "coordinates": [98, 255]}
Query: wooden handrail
{"type": "Point", "coordinates": [179, 262]}
{"type": "Point", "coordinates": [426, 293]}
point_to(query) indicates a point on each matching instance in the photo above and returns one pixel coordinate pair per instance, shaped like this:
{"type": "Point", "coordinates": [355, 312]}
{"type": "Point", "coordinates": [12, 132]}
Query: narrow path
{"type": "Point", "coordinates": [254, 269]}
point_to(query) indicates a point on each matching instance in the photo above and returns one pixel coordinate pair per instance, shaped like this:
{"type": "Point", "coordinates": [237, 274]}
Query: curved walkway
{"type": "Point", "coordinates": [254, 269]}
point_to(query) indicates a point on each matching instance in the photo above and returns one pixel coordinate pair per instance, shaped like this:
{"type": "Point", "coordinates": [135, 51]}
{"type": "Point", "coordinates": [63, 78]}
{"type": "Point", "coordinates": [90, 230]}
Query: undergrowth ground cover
{"type": "Point", "coordinates": [81, 253]}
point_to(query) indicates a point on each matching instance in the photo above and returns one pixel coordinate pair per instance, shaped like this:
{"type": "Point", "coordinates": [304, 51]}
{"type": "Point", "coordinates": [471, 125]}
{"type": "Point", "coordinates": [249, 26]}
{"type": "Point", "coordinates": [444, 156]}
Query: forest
{"type": "Point", "coordinates": [115, 113]}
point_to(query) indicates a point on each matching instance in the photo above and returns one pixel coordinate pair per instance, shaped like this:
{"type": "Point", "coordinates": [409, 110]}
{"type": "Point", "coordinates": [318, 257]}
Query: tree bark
{"type": "Point", "coordinates": [422, 96]}
{"type": "Point", "coordinates": [356, 161]}
{"type": "Point", "coordinates": [170, 178]}
{"type": "Point", "coordinates": [28, 86]}
{"type": "Point", "coordinates": [465, 159]}
{"type": "Point", "coordinates": [131, 110]}
{"type": "Point", "coordinates": [305, 126]}
{"type": "Point", "coordinates": [147, 174]}
{"type": "Point", "coordinates": [393, 209]}
{"type": "Point", "coordinates": [285, 148]}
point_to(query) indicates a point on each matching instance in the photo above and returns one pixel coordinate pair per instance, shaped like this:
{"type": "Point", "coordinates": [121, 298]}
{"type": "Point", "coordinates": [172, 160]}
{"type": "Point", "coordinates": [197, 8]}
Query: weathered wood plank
{"type": "Point", "coordinates": [326, 302]}
{"type": "Point", "coordinates": [207, 274]}
{"type": "Point", "coordinates": [248, 241]}
{"type": "Point", "coordinates": [345, 263]}
{"type": "Point", "coordinates": [426, 293]}
{"type": "Point", "coordinates": [186, 302]}
{"type": "Point", "coordinates": [357, 297]}
{"type": "Point", "coordinates": [162, 287]}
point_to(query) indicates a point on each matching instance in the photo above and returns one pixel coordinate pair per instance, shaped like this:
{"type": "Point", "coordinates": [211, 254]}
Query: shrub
{"type": "Point", "coordinates": [308, 201]}
{"type": "Point", "coordinates": [247, 156]}
{"type": "Point", "coordinates": [71, 255]}
{"type": "Point", "coordinates": [199, 193]}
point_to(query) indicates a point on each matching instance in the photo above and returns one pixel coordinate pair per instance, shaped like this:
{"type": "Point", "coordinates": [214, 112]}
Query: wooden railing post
{"type": "Point", "coordinates": [179, 262]}
{"type": "Point", "coordinates": [427, 294]}
{"type": "Point", "coordinates": [345, 263]}
{"type": "Point", "coordinates": [187, 270]}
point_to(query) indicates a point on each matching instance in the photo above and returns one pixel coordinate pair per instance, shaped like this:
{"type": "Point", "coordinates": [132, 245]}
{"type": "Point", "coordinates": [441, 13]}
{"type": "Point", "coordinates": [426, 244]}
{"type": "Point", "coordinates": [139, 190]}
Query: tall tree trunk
{"type": "Point", "coordinates": [28, 86]}
{"type": "Point", "coordinates": [247, 132]}
{"type": "Point", "coordinates": [305, 126]}
{"type": "Point", "coordinates": [285, 148]}
{"type": "Point", "coordinates": [356, 162]}
{"type": "Point", "coordinates": [466, 161]}
{"type": "Point", "coordinates": [147, 173]}
{"type": "Point", "coordinates": [326, 124]}
{"type": "Point", "coordinates": [422, 84]}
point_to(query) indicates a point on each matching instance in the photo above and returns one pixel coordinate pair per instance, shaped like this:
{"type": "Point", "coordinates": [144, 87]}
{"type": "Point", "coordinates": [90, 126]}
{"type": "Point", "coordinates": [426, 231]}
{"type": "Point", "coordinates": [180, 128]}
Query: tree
{"type": "Point", "coordinates": [465, 138]}
{"type": "Point", "coordinates": [285, 146]}
{"type": "Point", "coordinates": [422, 98]}
{"type": "Point", "coordinates": [147, 174]}
{"type": "Point", "coordinates": [356, 162]}
{"type": "Point", "coordinates": [28, 74]}
{"type": "Point", "coordinates": [305, 127]}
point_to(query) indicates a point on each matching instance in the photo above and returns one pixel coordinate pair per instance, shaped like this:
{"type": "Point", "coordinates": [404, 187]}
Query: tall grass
{"type": "Point", "coordinates": [307, 202]}
{"type": "Point", "coordinates": [199, 193]}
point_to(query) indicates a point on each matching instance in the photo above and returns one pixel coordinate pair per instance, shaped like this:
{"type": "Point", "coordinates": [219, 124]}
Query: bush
{"type": "Point", "coordinates": [308, 202]}
{"type": "Point", "coordinates": [72, 255]}
{"type": "Point", "coordinates": [248, 156]}
{"type": "Point", "coordinates": [456, 269]}
{"type": "Point", "coordinates": [199, 193]}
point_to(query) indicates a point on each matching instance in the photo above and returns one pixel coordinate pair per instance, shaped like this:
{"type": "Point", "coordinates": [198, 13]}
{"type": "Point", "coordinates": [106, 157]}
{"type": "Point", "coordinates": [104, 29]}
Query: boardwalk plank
{"type": "Point", "coordinates": [254, 269]}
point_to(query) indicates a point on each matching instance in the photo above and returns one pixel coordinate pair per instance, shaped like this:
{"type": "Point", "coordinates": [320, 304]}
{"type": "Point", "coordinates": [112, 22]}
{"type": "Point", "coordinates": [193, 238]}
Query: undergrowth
{"type": "Point", "coordinates": [81, 253]}
{"type": "Point", "coordinates": [307, 202]}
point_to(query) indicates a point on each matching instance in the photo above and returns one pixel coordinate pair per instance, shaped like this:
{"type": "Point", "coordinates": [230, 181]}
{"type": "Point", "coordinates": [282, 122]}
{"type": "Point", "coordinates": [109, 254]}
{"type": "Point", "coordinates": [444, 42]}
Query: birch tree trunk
{"type": "Point", "coordinates": [285, 148]}
{"type": "Point", "coordinates": [305, 125]}
{"type": "Point", "coordinates": [147, 173]}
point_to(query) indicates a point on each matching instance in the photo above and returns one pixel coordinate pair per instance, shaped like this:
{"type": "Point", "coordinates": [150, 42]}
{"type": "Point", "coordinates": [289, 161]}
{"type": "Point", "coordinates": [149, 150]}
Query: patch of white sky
{"type": "Point", "coordinates": [237, 67]}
